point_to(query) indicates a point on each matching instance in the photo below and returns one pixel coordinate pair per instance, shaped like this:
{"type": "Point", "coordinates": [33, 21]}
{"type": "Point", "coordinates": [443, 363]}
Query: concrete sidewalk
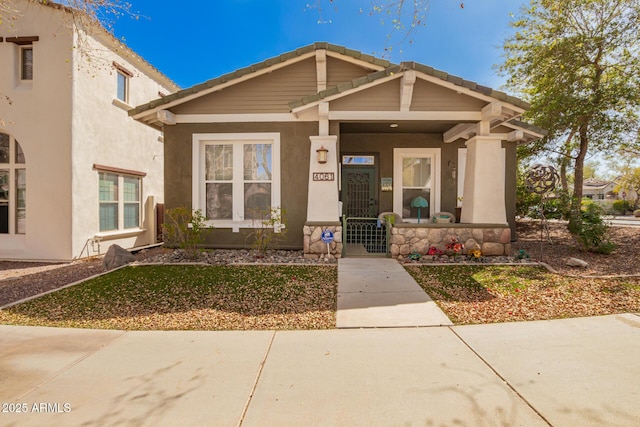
{"type": "Point", "coordinates": [572, 372]}
{"type": "Point", "coordinates": [378, 292]}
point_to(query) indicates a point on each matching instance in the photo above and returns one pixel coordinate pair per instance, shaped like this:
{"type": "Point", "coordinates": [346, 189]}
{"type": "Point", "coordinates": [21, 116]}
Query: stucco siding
{"type": "Point", "coordinates": [268, 93]}
{"type": "Point", "coordinates": [384, 97]}
{"type": "Point", "coordinates": [430, 97]}
{"type": "Point", "coordinates": [384, 144]}
{"type": "Point", "coordinates": [294, 154]}
{"type": "Point", "coordinates": [39, 118]}
{"type": "Point", "coordinates": [111, 138]}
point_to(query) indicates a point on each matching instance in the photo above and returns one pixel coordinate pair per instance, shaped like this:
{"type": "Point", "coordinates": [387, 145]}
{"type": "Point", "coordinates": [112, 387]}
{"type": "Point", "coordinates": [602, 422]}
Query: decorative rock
{"type": "Point", "coordinates": [116, 257]}
{"type": "Point", "coordinates": [505, 236]}
{"type": "Point", "coordinates": [575, 262]}
{"type": "Point", "coordinates": [492, 249]}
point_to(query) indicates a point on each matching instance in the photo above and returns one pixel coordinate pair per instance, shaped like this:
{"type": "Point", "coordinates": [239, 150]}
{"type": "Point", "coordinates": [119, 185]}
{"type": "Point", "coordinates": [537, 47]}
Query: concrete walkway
{"type": "Point", "coordinates": [572, 372]}
{"type": "Point", "coordinates": [378, 292]}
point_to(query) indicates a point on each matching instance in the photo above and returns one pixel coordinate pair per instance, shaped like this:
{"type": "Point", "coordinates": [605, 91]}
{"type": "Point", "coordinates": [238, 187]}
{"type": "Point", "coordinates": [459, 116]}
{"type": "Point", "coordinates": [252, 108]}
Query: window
{"type": "Point", "coordinates": [418, 172]}
{"type": "Point", "coordinates": [26, 63]}
{"type": "Point", "coordinates": [13, 186]}
{"type": "Point", "coordinates": [123, 87]}
{"type": "Point", "coordinates": [238, 176]}
{"type": "Point", "coordinates": [119, 199]}
{"type": "Point", "coordinates": [122, 82]}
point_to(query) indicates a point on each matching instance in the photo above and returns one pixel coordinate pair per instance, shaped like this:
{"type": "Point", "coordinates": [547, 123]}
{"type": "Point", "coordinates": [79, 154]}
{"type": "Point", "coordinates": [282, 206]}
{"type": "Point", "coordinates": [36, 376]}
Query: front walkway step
{"type": "Point", "coordinates": [378, 292]}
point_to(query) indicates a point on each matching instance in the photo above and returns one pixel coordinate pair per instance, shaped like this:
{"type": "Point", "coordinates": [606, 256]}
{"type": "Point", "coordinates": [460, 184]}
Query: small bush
{"type": "Point", "coordinates": [270, 229]}
{"type": "Point", "coordinates": [621, 206]}
{"type": "Point", "coordinates": [591, 231]}
{"type": "Point", "coordinates": [184, 229]}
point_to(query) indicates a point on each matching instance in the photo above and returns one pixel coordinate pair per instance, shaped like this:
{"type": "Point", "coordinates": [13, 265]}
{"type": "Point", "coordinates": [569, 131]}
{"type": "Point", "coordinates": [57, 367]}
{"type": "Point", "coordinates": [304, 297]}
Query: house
{"type": "Point", "coordinates": [340, 140]}
{"type": "Point", "coordinates": [598, 189]}
{"type": "Point", "coordinates": [76, 173]}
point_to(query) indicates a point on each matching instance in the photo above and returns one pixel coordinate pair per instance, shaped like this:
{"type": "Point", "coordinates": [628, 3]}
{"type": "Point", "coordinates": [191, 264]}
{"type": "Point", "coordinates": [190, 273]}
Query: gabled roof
{"type": "Point", "coordinates": [402, 67]}
{"type": "Point", "coordinates": [384, 69]}
{"type": "Point", "coordinates": [237, 74]}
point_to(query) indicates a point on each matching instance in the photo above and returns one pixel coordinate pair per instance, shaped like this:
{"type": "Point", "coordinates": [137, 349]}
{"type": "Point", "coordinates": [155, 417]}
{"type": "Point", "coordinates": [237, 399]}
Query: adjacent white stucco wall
{"type": "Point", "coordinates": [104, 134]}
{"type": "Point", "coordinates": [66, 121]}
{"type": "Point", "coordinates": [39, 118]}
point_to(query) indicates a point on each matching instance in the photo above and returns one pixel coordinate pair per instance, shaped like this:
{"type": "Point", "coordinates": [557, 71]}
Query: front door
{"type": "Point", "coordinates": [359, 193]}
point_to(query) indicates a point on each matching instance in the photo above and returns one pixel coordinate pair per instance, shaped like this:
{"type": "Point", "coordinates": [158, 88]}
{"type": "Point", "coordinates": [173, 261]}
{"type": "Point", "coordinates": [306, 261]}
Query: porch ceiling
{"type": "Point", "coordinates": [403, 127]}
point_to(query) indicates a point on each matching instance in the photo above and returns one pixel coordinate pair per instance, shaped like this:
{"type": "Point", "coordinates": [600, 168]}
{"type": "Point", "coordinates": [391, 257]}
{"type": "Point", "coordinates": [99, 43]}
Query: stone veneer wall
{"type": "Point", "coordinates": [313, 245]}
{"type": "Point", "coordinates": [493, 240]}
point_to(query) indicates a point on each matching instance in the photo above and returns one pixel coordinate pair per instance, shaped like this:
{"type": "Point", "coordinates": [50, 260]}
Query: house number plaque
{"type": "Point", "coordinates": [323, 176]}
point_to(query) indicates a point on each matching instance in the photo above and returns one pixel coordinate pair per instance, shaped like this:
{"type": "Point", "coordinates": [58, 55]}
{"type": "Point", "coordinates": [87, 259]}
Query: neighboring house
{"type": "Point", "coordinates": [76, 173]}
{"type": "Point", "coordinates": [598, 189]}
{"type": "Point", "coordinates": [257, 138]}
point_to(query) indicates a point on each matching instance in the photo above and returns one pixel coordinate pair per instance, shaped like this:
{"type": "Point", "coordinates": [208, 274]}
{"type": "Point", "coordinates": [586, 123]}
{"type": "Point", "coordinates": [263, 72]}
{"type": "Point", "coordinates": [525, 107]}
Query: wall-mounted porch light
{"type": "Point", "coordinates": [452, 167]}
{"type": "Point", "coordinates": [322, 155]}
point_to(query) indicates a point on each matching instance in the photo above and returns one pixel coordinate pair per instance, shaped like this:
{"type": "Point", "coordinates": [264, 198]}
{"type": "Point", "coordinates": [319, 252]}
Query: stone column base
{"type": "Point", "coordinates": [315, 248]}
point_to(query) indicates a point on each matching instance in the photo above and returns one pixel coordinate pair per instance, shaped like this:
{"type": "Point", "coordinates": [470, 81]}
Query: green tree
{"type": "Point", "coordinates": [630, 181]}
{"type": "Point", "coordinates": [577, 63]}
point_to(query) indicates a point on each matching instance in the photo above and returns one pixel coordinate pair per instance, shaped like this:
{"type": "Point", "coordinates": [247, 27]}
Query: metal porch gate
{"type": "Point", "coordinates": [364, 237]}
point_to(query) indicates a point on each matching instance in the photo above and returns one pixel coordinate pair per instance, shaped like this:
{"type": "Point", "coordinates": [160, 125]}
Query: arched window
{"type": "Point", "coordinates": [13, 186]}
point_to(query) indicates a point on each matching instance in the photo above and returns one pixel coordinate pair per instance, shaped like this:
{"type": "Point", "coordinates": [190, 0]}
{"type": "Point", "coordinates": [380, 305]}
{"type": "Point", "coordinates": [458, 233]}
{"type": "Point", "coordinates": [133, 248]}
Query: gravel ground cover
{"type": "Point", "coordinates": [190, 297]}
{"type": "Point", "coordinates": [489, 294]}
{"type": "Point", "coordinates": [469, 294]}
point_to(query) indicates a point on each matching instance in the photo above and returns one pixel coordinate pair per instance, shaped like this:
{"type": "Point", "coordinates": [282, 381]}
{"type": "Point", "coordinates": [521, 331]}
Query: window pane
{"type": "Point", "coordinates": [219, 162]}
{"type": "Point", "coordinates": [219, 201]}
{"type": "Point", "coordinates": [358, 160]}
{"type": "Point", "coordinates": [4, 148]}
{"type": "Point", "coordinates": [4, 201]}
{"type": "Point", "coordinates": [19, 153]}
{"type": "Point", "coordinates": [131, 215]}
{"type": "Point", "coordinates": [27, 63]}
{"type": "Point", "coordinates": [108, 216]}
{"type": "Point", "coordinates": [4, 185]}
{"type": "Point", "coordinates": [407, 196]}
{"type": "Point", "coordinates": [108, 187]}
{"type": "Point", "coordinates": [257, 162]}
{"type": "Point", "coordinates": [122, 87]}
{"type": "Point", "coordinates": [416, 172]}
{"type": "Point", "coordinates": [131, 189]}
{"type": "Point", "coordinates": [21, 201]}
{"type": "Point", "coordinates": [257, 200]}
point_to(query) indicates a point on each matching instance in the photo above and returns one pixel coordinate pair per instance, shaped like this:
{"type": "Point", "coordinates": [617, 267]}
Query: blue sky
{"type": "Point", "coordinates": [194, 41]}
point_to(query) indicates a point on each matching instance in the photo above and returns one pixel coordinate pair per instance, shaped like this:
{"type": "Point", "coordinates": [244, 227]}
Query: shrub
{"type": "Point", "coordinates": [184, 229]}
{"type": "Point", "coordinates": [270, 229]}
{"type": "Point", "coordinates": [621, 206]}
{"type": "Point", "coordinates": [591, 231]}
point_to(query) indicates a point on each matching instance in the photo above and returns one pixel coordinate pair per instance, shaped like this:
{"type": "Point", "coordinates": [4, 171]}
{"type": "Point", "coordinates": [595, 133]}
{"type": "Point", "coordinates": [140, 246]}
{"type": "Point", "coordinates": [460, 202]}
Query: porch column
{"type": "Point", "coordinates": [322, 201]}
{"type": "Point", "coordinates": [484, 182]}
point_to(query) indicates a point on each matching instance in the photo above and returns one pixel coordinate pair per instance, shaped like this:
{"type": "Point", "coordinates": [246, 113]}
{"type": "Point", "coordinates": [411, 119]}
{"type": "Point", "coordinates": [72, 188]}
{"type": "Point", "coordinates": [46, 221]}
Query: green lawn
{"type": "Point", "coordinates": [485, 294]}
{"type": "Point", "coordinates": [190, 298]}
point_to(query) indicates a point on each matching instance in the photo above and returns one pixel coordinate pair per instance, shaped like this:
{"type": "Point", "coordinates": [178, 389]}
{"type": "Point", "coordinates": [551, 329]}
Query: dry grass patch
{"type": "Point", "coordinates": [174, 297]}
{"type": "Point", "coordinates": [487, 294]}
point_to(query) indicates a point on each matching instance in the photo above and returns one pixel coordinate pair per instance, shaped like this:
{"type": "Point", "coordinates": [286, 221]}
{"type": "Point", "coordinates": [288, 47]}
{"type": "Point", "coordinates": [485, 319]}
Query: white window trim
{"type": "Point", "coordinates": [12, 167]}
{"type": "Point", "coordinates": [198, 186]}
{"type": "Point", "coordinates": [121, 202]}
{"type": "Point", "coordinates": [398, 155]}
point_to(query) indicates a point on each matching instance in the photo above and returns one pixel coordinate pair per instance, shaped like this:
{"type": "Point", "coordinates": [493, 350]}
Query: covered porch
{"type": "Point", "coordinates": [436, 149]}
